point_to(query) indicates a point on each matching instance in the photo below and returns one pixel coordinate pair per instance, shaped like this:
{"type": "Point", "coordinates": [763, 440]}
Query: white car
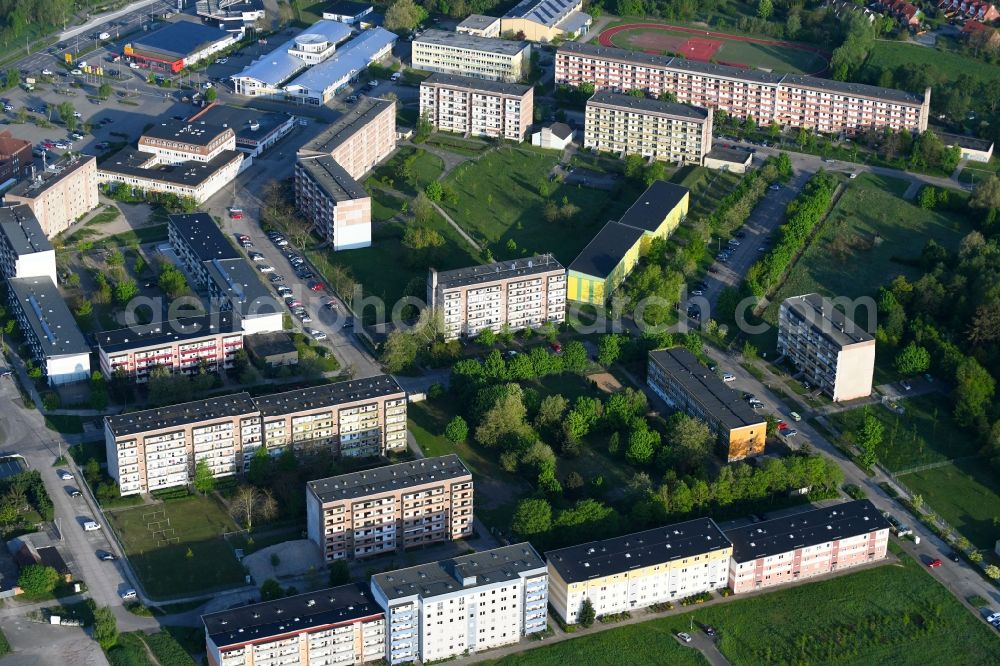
{"type": "Point", "coordinates": [77, 114]}
{"type": "Point", "coordinates": [129, 595]}
{"type": "Point", "coordinates": [46, 72]}
{"type": "Point", "coordinates": [853, 176]}
{"type": "Point", "coordinates": [684, 636]}
{"type": "Point", "coordinates": [64, 475]}
{"type": "Point", "coordinates": [266, 268]}
{"type": "Point", "coordinates": [316, 334]}
{"type": "Point", "coordinates": [91, 526]}
{"type": "Point", "coordinates": [206, 85]}
{"type": "Point", "coordinates": [395, 76]}
{"type": "Point", "coordinates": [222, 61]}
{"type": "Point", "coordinates": [993, 617]}
{"type": "Point", "coordinates": [77, 72]}
{"type": "Point", "coordinates": [728, 377]}
{"type": "Point", "coordinates": [133, 65]}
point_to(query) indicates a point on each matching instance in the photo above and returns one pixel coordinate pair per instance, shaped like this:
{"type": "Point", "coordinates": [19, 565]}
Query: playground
{"type": "Point", "coordinates": [717, 47]}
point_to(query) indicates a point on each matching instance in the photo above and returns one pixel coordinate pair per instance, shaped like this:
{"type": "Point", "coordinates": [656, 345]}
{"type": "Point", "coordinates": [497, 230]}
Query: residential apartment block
{"type": "Point", "coordinates": [665, 131]}
{"type": "Point", "coordinates": [24, 249]}
{"type": "Point", "coordinates": [387, 509]}
{"type": "Point", "coordinates": [806, 544]}
{"type": "Point", "coordinates": [60, 196]}
{"type": "Point", "coordinates": [184, 345]}
{"type": "Point", "coordinates": [15, 155]}
{"type": "Point", "coordinates": [359, 139]}
{"type": "Point", "coordinates": [467, 604]}
{"type": "Point", "coordinates": [790, 100]}
{"type": "Point", "coordinates": [685, 384]}
{"type": "Point", "coordinates": [469, 55]}
{"type": "Point", "coordinates": [638, 570]}
{"type": "Point", "coordinates": [159, 448]}
{"type": "Point", "coordinates": [477, 107]}
{"type": "Point", "coordinates": [834, 354]}
{"type": "Point", "coordinates": [50, 331]}
{"type": "Point", "coordinates": [337, 626]}
{"type": "Point", "coordinates": [520, 294]}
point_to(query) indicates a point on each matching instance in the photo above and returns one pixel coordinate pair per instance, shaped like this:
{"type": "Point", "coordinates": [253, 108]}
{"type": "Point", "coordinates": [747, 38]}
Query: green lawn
{"type": "Point", "coordinates": [893, 614]}
{"type": "Point", "coordinates": [166, 570]}
{"type": "Point", "coordinates": [974, 172]}
{"type": "Point", "coordinates": [425, 167]}
{"type": "Point", "coordinates": [949, 65]}
{"type": "Point", "coordinates": [385, 206]}
{"type": "Point", "coordinates": [965, 494]}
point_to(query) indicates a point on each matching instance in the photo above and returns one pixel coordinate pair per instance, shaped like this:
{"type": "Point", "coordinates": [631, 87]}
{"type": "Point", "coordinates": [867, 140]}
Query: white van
{"type": "Point", "coordinates": [795, 416]}
{"type": "Point", "coordinates": [91, 526]}
{"type": "Point", "coordinates": [129, 595]}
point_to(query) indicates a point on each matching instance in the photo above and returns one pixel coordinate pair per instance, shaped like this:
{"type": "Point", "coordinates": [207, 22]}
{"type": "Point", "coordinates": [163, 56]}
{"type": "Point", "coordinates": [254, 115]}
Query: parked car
{"type": "Point", "coordinates": [64, 475]}
{"type": "Point", "coordinates": [684, 636]}
{"type": "Point", "coordinates": [74, 492]}
{"type": "Point", "coordinates": [954, 557]}
{"type": "Point", "coordinates": [906, 385]}
{"type": "Point", "coordinates": [91, 526]}
{"type": "Point", "coordinates": [222, 61]}
{"type": "Point", "coordinates": [275, 278]}
{"type": "Point", "coordinates": [795, 416]}
{"type": "Point", "coordinates": [266, 268]}
{"type": "Point", "coordinates": [256, 256]}
{"type": "Point", "coordinates": [395, 76]}
{"type": "Point", "coordinates": [129, 595]}
{"type": "Point", "coordinates": [236, 213]}
{"type": "Point", "coordinates": [775, 187]}
{"type": "Point", "coordinates": [790, 433]}
{"type": "Point", "coordinates": [709, 630]}
{"type": "Point", "coordinates": [728, 377]}
{"type": "Point", "coordinates": [853, 176]}
{"type": "Point", "coordinates": [106, 556]}
{"type": "Point", "coordinates": [556, 347]}
{"type": "Point", "coordinates": [934, 564]}
{"type": "Point", "coordinates": [316, 286]}
{"type": "Point", "coordinates": [304, 317]}
{"type": "Point", "coordinates": [782, 425]}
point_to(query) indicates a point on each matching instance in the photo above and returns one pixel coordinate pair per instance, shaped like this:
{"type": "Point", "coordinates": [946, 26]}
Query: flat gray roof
{"type": "Point", "coordinates": [172, 416]}
{"type": "Point", "coordinates": [241, 284]}
{"type": "Point", "coordinates": [461, 40]}
{"type": "Point", "coordinates": [389, 478]}
{"type": "Point", "coordinates": [606, 249]}
{"type": "Point", "coordinates": [818, 312]}
{"type": "Point", "coordinates": [48, 315]}
{"type": "Point", "coordinates": [737, 155]}
{"type": "Point", "coordinates": [239, 119]}
{"type": "Point", "coordinates": [964, 141]}
{"type": "Point", "coordinates": [180, 38]}
{"type": "Point", "coordinates": [332, 177]}
{"type": "Point", "coordinates": [485, 85]}
{"type": "Point", "coordinates": [132, 162]}
{"type": "Point", "coordinates": [197, 133]}
{"type": "Point", "coordinates": [478, 21]}
{"type": "Point", "coordinates": [608, 98]}
{"type": "Point", "coordinates": [22, 232]}
{"type": "Point", "coordinates": [347, 125]}
{"type": "Point", "coordinates": [652, 206]}
{"type": "Point", "coordinates": [203, 236]}
{"type": "Point", "coordinates": [29, 188]}
{"type": "Point", "coordinates": [166, 332]}
{"type": "Point", "coordinates": [498, 270]}
{"type": "Point", "coordinates": [328, 395]}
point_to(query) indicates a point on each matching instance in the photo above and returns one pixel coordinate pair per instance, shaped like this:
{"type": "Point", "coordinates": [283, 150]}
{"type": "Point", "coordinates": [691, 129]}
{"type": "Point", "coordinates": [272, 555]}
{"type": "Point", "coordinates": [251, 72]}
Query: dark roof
{"type": "Point", "coordinates": [354, 390]}
{"type": "Point", "coordinates": [773, 537]}
{"type": "Point", "coordinates": [198, 133]}
{"type": "Point", "coordinates": [347, 8]}
{"type": "Point", "coordinates": [22, 232]}
{"type": "Point", "coordinates": [597, 559]}
{"type": "Point", "coordinates": [166, 332]}
{"type": "Point", "coordinates": [180, 39]}
{"type": "Point", "coordinates": [240, 283]}
{"type": "Point", "coordinates": [485, 85]}
{"type": "Point", "coordinates": [177, 415]}
{"type": "Point", "coordinates": [478, 21]}
{"type": "Point", "coordinates": [240, 118]}
{"type": "Point", "coordinates": [704, 387]}
{"type": "Point", "coordinates": [498, 270]}
{"type": "Point", "coordinates": [462, 40]}
{"type": "Point", "coordinates": [389, 478]}
{"type": "Point", "coordinates": [30, 189]}
{"type": "Point", "coordinates": [486, 567]}
{"type": "Point", "coordinates": [135, 163]}
{"type": "Point", "coordinates": [820, 315]}
{"type": "Point", "coordinates": [203, 236]}
{"type": "Point", "coordinates": [347, 125]}
{"type": "Point", "coordinates": [587, 49]}
{"type": "Point", "coordinates": [49, 556]}
{"type": "Point", "coordinates": [332, 178]}
{"type": "Point", "coordinates": [964, 141]}
{"type": "Point", "coordinates": [269, 344]}
{"type": "Point", "coordinates": [606, 250]}
{"type": "Point", "coordinates": [737, 155]}
{"type": "Point", "coordinates": [561, 130]}
{"type": "Point", "coordinates": [48, 316]}
{"type": "Point", "coordinates": [648, 105]}
{"type": "Point", "coordinates": [291, 615]}
{"type": "Point", "coordinates": [653, 205]}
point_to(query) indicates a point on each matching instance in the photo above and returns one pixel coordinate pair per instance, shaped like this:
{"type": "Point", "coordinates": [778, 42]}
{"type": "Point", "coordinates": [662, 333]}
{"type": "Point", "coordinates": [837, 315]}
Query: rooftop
{"type": "Point", "coordinates": [279, 65]}
{"type": "Point", "coordinates": [239, 282]}
{"type": "Point", "coordinates": [820, 314]}
{"type": "Point", "coordinates": [461, 40]}
{"type": "Point", "coordinates": [737, 155]}
{"type": "Point", "coordinates": [546, 12]}
{"type": "Point", "coordinates": [137, 164]}
{"type": "Point", "coordinates": [198, 133]}
{"type": "Point", "coordinates": [498, 270]}
{"type": "Point", "coordinates": [172, 416]}
{"type": "Point", "coordinates": [203, 236]}
{"type": "Point", "coordinates": [22, 232]}
{"type": "Point", "coordinates": [243, 120]}
{"type": "Point", "coordinates": [49, 316]}
{"type": "Point", "coordinates": [648, 105]}
{"type": "Point", "coordinates": [349, 61]}
{"type": "Point", "coordinates": [269, 344]}
{"type": "Point", "coordinates": [606, 250]}
{"type": "Point", "coordinates": [773, 537]}
{"type": "Point", "coordinates": [561, 130]}
{"type": "Point", "coordinates": [478, 21]}
{"type": "Point", "coordinates": [347, 8]}
{"type": "Point", "coordinates": [328, 395]}
{"type": "Point", "coordinates": [705, 388]}
{"type": "Point", "coordinates": [964, 141]}
{"type": "Point", "coordinates": [10, 144]}
{"type": "Point", "coordinates": [597, 559]}
{"type": "Point", "coordinates": [388, 479]}
{"type": "Point", "coordinates": [347, 125]}
{"type": "Point", "coordinates": [167, 332]}
{"type": "Point", "coordinates": [291, 615]}
{"type": "Point", "coordinates": [332, 177]}
{"type": "Point", "coordinates": [485, 85]}
{"type": "Point", "coordinates": [487, 567]}
{"type": "Point", "coordinates": [32, 188]}
{"type": "Point", "coordinates": [653, 206]}
{"type": "Point", "coordinates": [180, 38]}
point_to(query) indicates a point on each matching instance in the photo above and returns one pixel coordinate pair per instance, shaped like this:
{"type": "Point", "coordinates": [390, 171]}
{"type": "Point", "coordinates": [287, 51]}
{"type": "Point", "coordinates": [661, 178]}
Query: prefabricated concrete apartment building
{"type": "Point", "coordinates": [477, 107]}
{"type": "Point", "coordinates": [467, 55]}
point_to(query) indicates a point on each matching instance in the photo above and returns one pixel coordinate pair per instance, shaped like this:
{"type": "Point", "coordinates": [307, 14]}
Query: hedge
{"type": "Point", "coordinates": [167, 650]}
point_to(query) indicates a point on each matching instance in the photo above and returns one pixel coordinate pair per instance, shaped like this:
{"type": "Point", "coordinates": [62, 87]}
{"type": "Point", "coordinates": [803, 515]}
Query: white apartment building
{"type": "Point", "coordinates": [477, 107]}
{"type": "Point", "coordinates": [176, 142]}
{"type": "Point", "coordinates": [835, 354]}
{"type": "Point", "coordinates": [665, 131]}
{"type": "Point", "coordinates": [467, 604]}
{"type": "Point", "coordinates": [521, 293]}
{"type": "Point", "coordinates": [24, 249]}
{"type": "Point", "coordinates": [50, 331]}
{"type": "Point", "coordinates": [638, 570]}
{"type": "Point", "coordinates": [469, 55]}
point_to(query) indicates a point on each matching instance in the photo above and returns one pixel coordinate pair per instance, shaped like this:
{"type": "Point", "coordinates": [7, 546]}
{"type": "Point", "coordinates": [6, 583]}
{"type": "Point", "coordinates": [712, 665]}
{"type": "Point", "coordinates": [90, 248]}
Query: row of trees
{"type": "Point", "coordinates": [21, 492]}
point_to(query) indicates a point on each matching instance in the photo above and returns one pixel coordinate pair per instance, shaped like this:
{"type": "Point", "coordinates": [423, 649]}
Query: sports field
{"type": "Point", "coordinates": [718, 47]}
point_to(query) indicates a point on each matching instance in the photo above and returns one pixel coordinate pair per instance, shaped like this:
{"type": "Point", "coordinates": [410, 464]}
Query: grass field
{"type": "Point", "coordinates": [893, 54]}
{"type": "Point", "coordinates": [965, 494]}
{"type": "Point", "coordinates": [893, 614]}
{"type": "Point", "coordinates": [974, 172]}
{"type": "Point", "coordinates": [167, 570]}
{"type": "Point", "coordinates": [425, 168]}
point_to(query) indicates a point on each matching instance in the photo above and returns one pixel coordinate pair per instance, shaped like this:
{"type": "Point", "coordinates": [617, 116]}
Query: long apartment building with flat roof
{"type": "Point", "coordinates": [478, 107]}
{"type": "Point", "coordinates": [635, 571]}
{"type": "Point", "coordinates": [60, 196]}
{"type": "Point", "coordinates": [685, 384]}
{"type": "Point", "coordinates": [665, 131]}
{"type": "Point", "coordinates": [24, 249]}
{"type": "Point", "coordinates": [812, 543]}
{"type": "Point", "coordinates": [463, 605]}
{"type": "Point", "coordinates": [388, 509]}
{"type": "Point", "coordinates": [520, 293]}
{"type": "Point", "coordinates": [790, 100]}
{"type": "Point", "coordinates": [50, 331]}
{"type": "Point", "coordinates": [337, 626]}
{"type": "Point", "coordinates": [835, 354]}
{"type": "Point", "coordinates": [468, 55]}
{"type": "Point", "coordinates": [159, 448]}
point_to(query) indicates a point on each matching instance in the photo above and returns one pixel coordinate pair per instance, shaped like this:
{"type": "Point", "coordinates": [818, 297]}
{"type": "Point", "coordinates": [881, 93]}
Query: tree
{"type": "Point", "coordinates": [587, 615]}
{"type": "Point", "coordinates": [434, 191]}
{"type": "Point", "coordinates": [172, 281]}
{"type": "Point", "coordinates": [457, 430]}
{"type": "Point", "coordinates": [105, 627]}
{"type": "Point", "coordinates": [486, 338]}
{"type": "Point", "coordinates": [609, 349]}
{"type": "Point", "coordinates": [531, 517]}
{"type": "Point", "coordinates": [423, 209]}
{"type": "Point", "coordinates": [630, 8]}
{"type": "Point", "coordinates": [104, 90]}
{"type": "Point", "coordinates": [993, 571]}
{"type": "Point", "coordinates": [765, 8]}
{"type": "Point", "coordinates": [912, 360]}
{"type": "Point", "coordinates": [974, 388]}
{"type": "Point", "coordinates": [400, 351]}
{"type": "Point", "coordinates": [642, 444]}
{"type": "Point", "coordinates": [869, 437]}
{"type": "Point", "coordinates": [691, 434]}
{"type": "Point", "coordinates": [271, 590]}
{"type": "Point", "coordinates": [204, 480]}
{"type": "Point", "coordinates": [792, 25]}
{"type": "Point", "coordinates": [249, 503]}
{"type": "Point", "coordinates": [38, 580]}
{"type": "Point", "coordinates": [211, 95]}
{"type": "Point", "coordinates": [13, 77]}
{"type": "Point", "coordinates": [418, 237]}
{"type": "Point", "coordinates": [986, 194]}
{"type": "Point", "coordinates": [340, 573]}
{"type": "Point", "coordinates": [125, 291]}
{"type": "Point", "coordinates": [404, 15]}
{"type": "Point", "coordinates": [503, 420]}
{"type": "Point", "coordinates": [575, 357]}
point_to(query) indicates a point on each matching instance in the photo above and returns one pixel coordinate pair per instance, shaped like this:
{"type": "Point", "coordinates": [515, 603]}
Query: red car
{"type": "Point", "coordinates": [556, 347]}
{"type": "Point", "coordinates": [934, 564]}
{"type": "Point", "coordinates": [236, 213]}
{"type": "Point", "coordinates": [782, 425]}
{"type": "Point", "coordinates": [317, 286]}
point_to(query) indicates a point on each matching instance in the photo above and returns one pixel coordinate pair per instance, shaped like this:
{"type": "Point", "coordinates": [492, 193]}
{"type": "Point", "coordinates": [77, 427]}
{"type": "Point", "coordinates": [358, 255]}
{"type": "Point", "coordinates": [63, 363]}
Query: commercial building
{"type": "Point", "coordinates": [178, 45]}
{"type": "Point", "coordinates": [317, 85]}
{"type": "Point", "coordinates": [806, 544]}
{"type": "Point", "coordinates": [231, 15]}
{"type": "Point", "coordinates": [255, 130]}
{"type": "Point", "coordinates": [519, 293]}
{"type": "Point", "coordinates": [468, 55]}
{"type": "Point", "coordinates": [607, 260]}
{"type": "Point", "coordinates": [345, 11]}
{"type": "Point", "coordinates": [186, 345]}
{"type": "Point", "coordinates": [790, 100]}
{"type": "Point", "coordinates": [467, 604]}
{"type": "Point", "coordinates": [60, 195]}
{"type": "Point", "coordinates": [479, 25]}
{"type": "Point", "coordinates": [734, 160]}
{"type": "Point", "coordinates": [15, 158]}
{"type": "Point", "coordinates": [971, 148]}
{"type": "Point", "coordinates": [337, 626]}
{"type": "Point", "coordinates": [545, 20]}
{"type": "Point", "coordinates": [665, 131]}
{"type": "Point", "coordinates": [637, 570]}
{"type": "Point", "coordinates": [685, 384]}
{"type": "Point", "coordinates": [833, 353]}
{"type": "Point", "coordinates": [556, 136]}
{"type": "Point", "coordinates": [24, 249]}
{"type": "Point", "coordinates": [178, 141]}
{"type": "Point", "coordinates": [478, 107]}
{"type": "Point", "coordinates": [388, 509]}
{"type": "Point", "coordinates": [50, 332]}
